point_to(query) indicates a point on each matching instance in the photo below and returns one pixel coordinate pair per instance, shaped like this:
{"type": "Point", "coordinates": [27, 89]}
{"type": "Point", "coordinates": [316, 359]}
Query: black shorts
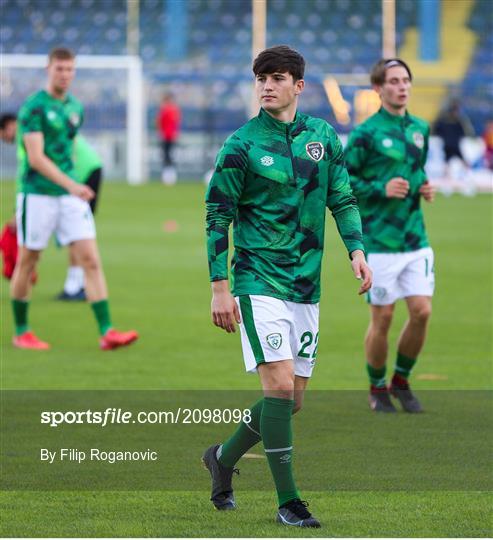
{"type": "Point", "coordinates": [94, 182]}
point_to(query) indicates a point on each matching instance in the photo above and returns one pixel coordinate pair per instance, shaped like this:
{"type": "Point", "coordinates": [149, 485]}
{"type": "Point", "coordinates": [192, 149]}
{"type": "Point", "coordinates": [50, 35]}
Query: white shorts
{"type": "Point", "coordinates": [399, 275]}
{"type": "Point", "coordinates": [39, 216]}
{"type": "Point", "coordinates": [273, 330]}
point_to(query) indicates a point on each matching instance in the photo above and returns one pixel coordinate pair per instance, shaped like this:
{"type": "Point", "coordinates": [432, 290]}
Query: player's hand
{"type": "Point", "coordinates": [361, 270]}
{"type": "Point", "coordinates": [82, 191]}
{"type": "Point", "coordinates": [427, 191]}
{"type": "Point", "coordinates": [224, 310]}
{"type": "Point", "coordinates": [397, 188]}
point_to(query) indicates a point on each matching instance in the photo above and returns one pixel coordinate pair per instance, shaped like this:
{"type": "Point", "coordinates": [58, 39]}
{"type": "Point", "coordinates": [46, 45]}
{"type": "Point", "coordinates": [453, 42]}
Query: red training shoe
{"type": "Point", "coordinates": [28, 340]}
{"type": "Point", "coordinates": [114, 339]}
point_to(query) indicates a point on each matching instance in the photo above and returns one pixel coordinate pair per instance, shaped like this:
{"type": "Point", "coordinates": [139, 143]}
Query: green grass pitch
{"type": "Point", "coordinates": [159, 285]}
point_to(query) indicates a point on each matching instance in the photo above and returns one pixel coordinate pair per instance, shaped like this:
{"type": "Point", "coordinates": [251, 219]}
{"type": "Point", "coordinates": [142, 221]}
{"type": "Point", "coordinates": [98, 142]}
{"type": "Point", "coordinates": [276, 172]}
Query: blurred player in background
{"type": "Point", "coordinates": [51, 201]}
{"type": "Point", "coordinates": [488, 144]}
{"type": "Point", "coordinates": [8, 127]}
{"type": "Point", "coordinates": [168, 126]}
{"type": "Point", "coordinates": [88, 170]}
{"type": "Point", "coordinates": [275, 177]}
{"type": "Point", "coordinates": [385, 157]}
{"type": "Point", "coordinates": [452, 125]}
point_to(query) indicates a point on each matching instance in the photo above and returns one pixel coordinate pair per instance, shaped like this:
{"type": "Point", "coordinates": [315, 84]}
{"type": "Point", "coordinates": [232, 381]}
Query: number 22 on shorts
{"type": "Point", "coordinates": [306, 341]}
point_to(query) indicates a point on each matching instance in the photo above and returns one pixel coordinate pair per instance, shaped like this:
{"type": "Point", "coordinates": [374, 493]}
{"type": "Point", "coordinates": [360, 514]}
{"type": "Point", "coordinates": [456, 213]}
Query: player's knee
{"type": "Point", "coordinates": [277, 379]}
{"type": "Point", "coordinates": [421, 314]}
{"type": "Point", "coordinates": [381, 323]}
{"type": "Point", "coordinates": [28, 260]}
{"type": "Point", "coordinates": [282, 388]}
{"type": "Point", "coordinates": [90, 262]}
{"type": "Point", "coordinates": [281, 391]}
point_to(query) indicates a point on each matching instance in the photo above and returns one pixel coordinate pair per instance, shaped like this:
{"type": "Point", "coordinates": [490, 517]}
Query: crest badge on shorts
{"type": "Point", "coordinates": [379, 292]}
{"type": "Point", "coordinates": [315, 150]}
{"type": "Point", "coordinates": [274, 340]}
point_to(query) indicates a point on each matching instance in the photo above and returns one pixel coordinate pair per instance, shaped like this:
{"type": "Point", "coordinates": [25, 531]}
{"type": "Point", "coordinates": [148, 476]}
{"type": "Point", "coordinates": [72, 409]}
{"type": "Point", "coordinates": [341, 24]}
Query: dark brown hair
{"type": "Point", "coordinates": [6, 118]}
{"type": "Point", "coordinates": [280, 59]}
{"type": "Point", "coordinates": [379, 70]}
{"type": "Point", "coordinates": [60, 53]}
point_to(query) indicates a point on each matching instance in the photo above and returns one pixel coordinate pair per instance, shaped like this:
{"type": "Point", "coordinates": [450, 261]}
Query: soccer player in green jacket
{"type": "Point", "coordinates": [274, 178]}
{"type": "Point", "coordinates": [385, 157]}
{"type": "Point", "coordinates": [51, 201]}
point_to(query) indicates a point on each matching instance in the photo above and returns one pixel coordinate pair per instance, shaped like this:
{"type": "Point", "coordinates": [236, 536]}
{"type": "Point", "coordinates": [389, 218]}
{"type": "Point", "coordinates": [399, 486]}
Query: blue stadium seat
{"type": "Point", "coordinates": [333, 35]}
{"type": "Point", "coordinates": [476, 89]}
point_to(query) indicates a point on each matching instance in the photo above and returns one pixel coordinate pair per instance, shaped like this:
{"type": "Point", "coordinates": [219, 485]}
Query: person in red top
{"type": "Point", "coordinates": [488, 143]}
{"type": "Point", "coordinates": [168, 126]}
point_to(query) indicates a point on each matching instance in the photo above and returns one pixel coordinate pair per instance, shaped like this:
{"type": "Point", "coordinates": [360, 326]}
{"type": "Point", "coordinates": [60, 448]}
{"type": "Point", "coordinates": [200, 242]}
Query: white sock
{"type": "Point", "coordinates": [169, 176]}
{"type": "Point", "coordinates": [75, 280]}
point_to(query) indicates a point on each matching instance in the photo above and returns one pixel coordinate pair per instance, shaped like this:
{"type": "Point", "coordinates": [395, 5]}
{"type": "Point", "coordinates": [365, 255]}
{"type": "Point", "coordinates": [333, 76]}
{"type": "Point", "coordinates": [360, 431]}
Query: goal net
{"type": "Point", "coordinates": [111, 90]}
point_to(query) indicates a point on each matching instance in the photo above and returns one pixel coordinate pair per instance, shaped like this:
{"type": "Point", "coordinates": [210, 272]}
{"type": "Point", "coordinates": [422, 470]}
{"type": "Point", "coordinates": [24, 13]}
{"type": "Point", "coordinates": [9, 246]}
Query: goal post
{"type": "Point", "coordinates": [259, 40]}
{"type": "Point", "coordinates": [136, 167]}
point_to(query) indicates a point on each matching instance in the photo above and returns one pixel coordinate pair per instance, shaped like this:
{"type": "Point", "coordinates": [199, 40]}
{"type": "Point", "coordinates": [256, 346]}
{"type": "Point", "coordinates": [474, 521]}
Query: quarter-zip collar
{"type": "Point", "coordinates": [272, 124]}
{"type": "Point", "coordinates": [394, 118]}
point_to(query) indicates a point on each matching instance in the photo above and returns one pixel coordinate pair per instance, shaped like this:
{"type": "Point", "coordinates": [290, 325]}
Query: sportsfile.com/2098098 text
{"type": "Point", "coordinates": [181, 415]}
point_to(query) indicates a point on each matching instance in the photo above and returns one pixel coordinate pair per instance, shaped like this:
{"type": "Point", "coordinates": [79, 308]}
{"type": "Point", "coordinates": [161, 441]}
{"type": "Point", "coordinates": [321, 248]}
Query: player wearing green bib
{"type": "Point", "coordinates": [274, 179]}
{"type": "Point", "coordinates": [86, 160]}
{"type": "Point", "coordinates": [385, 157]}
{"type": "Point", "coordinates": [89, 171]}
{"type": "Point", "coordinates": [51, 201]}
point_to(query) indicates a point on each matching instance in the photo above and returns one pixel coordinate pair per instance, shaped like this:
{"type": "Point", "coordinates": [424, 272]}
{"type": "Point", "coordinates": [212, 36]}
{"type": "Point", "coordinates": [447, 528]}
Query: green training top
{"type": "Point", "coordinates": [21, 156]}
{"type": "Point", "coordinates": [58, 121]}
{"type": "Point", "coordinates": [274, 181]}
{"type": "Point", "coordinates": [379, 149]}
{"type": "Point", "coordinates": [86, 159]}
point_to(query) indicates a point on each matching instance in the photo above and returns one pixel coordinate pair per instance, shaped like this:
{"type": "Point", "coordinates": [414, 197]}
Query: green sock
{"type": "Point", "coordinates": [275, 428]}
{"type": "Point", "coordinates": [246, 436]}
{"type": "Point", "coordinates": [20, 308]}
{"type": "Point", "coordinates": [404, 365]}
{"type": "Point", "coordinates": [376, 375]}
{"type": "Point", "coordinates": [102, 313]}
